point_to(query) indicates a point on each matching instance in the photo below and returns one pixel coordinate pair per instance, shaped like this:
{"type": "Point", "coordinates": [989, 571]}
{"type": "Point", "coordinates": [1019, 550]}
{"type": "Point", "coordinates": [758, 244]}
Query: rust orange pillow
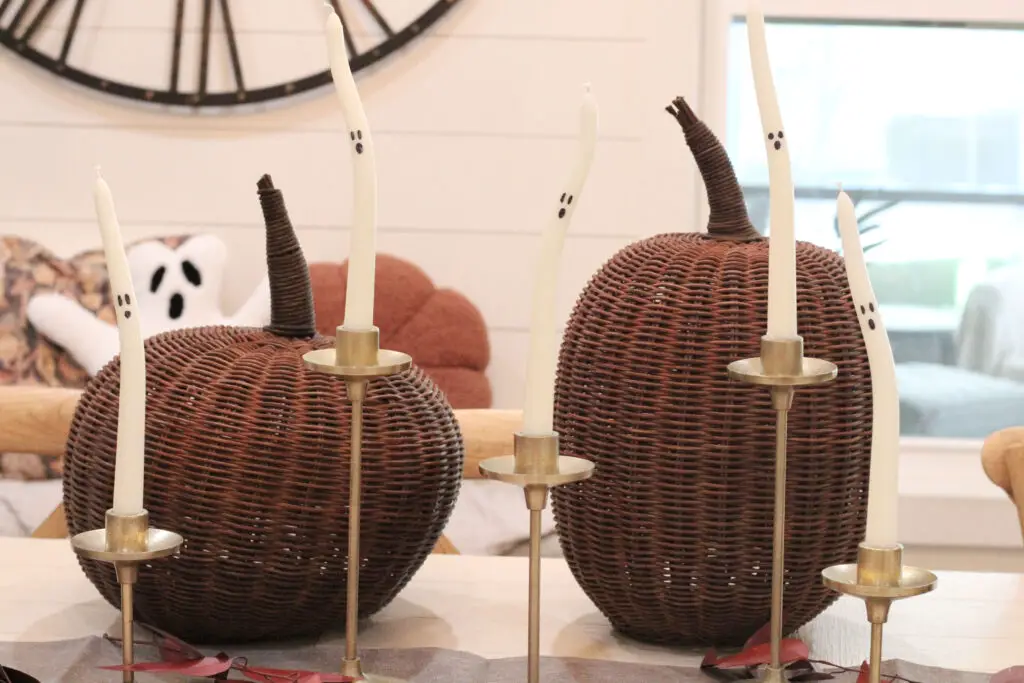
{"type": "Point", "coordinates": [440, 328]}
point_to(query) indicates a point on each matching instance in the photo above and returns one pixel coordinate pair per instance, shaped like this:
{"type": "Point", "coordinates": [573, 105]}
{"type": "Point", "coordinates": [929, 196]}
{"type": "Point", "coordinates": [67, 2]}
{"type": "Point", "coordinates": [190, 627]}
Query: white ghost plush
{"type": "Point", "coordinates": [175, 288]}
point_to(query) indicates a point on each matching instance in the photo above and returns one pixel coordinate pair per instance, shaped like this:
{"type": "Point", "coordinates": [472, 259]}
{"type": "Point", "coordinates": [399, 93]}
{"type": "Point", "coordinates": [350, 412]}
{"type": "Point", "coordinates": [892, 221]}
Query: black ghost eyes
{"type": "Point", "coordinates": [357, 135]}
{"type": "Point", "coordinates": [158, 277]}
{"type": "Point", "coordinates": [778, 143]}
{"type": "Point", "coordinates": [864, 311]}
{"type": "Point", "coordinates": [125, 301]}
{"type": "Point", "coordinates": [191, 273]}
{"type": "Point", "coordinates": [567, 200]}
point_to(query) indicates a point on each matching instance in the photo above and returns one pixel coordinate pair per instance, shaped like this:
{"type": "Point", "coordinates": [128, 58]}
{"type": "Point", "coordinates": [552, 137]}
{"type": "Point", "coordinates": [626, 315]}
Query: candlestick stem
{"type": "Point", "coordinates": [782, 367]}
{"type": "Point", "coordinates": [875, 671]}
{"type": "Point", "coordinates": [536, 466]}
{"type": "Point", "coordinates": [533, 638]}
{"type": "Point", "coordinates": [356, 396]}
{"type": "Point", "coordinates": [356, 358]}
{"type": "Point", "coordinates": [126, 541]}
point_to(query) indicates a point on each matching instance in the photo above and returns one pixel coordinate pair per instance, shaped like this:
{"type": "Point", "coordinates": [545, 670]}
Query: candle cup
{"type": "Point", "coordinates": [356, 358]}
{"type": "Point", "coordinates": [879, 577]}
{"type": "Point", "coordinates": [536, 466]}
{"type": "Point", "coordinates": [126, 541]}
{"type": "Point", "coordinates": [782, 367]}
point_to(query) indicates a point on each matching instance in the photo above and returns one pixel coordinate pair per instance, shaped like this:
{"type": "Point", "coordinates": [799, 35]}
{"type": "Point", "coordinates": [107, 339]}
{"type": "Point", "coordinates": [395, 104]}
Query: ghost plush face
{"type": "Point", "coordinates": [174, 289]}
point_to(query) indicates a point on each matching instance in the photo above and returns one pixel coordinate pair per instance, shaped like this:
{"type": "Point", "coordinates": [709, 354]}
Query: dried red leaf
{"type": "Point", "coordinates": [710, 657]}
{"type": "Point", "coordinates": [790, 650]}
{"type": "Point", "coordinates": [207, 667]}
{"type": "Point", "coordinates": [267, 675]}
{"type": "Point", "coordinates": [865, 673]}
{"type": "Point", "coordinates": [761, 635]}
{"type": "Point", "coordinates": [1015, 674]}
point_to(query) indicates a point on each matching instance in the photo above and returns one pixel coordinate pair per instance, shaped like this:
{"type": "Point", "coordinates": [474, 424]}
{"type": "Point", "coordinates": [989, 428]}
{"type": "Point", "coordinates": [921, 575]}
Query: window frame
{"type": "Point", "coordinates": [717, 15]}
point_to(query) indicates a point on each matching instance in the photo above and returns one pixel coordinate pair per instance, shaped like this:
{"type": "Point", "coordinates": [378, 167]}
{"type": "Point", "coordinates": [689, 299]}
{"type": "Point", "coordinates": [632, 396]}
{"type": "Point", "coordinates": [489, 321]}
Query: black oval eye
{"type": "Point", "coordinates": [359, 134]}
{"type": "Point", "coordinates": [120, 302]}
{"type": "Point", "coordinates": [780, 135]}
{"type": "Point", "coordinates": [127, 299]}
{"type": "Point", "coordinates": [570, 200]}
{"type": "Point", "coordinates": [158, 277]}
{"type": "Point", "coordinates": [862, 310]}
{"type": "Point", "coordinates": [191, 273]}
{"type": "Point", "coordinates": [562, 199]}
{"type": "Point", "coordinates": [771, 136]}
{"type": "Point", "coordinates": [872, 307]}
{"type": "Point", "coordinates": [352, 135]}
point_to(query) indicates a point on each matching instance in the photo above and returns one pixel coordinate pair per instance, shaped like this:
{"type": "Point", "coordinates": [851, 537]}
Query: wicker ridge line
{"type": "Point", "coordinates": [247, 458]}
{"type": "Point", "coordinates": [672, 537]}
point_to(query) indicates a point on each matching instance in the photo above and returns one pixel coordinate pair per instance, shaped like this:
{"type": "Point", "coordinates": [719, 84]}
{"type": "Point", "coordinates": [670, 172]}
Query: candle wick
{"type": "Point", "coordinates": [586, 88]}
{"type": "Point", "coordinates": [99, 172]}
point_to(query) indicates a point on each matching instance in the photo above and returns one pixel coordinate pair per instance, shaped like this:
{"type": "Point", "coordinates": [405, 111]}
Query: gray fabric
{"type": "Point", "coordinates": [75, 661]}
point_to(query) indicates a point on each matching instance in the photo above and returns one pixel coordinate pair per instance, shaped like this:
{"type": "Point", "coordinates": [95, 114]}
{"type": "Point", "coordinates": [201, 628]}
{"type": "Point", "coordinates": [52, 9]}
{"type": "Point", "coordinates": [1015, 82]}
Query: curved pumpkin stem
{"type": "Point", "coordinates": [291, 294]}
{"type": "Point", "coordinates": [728, 219]}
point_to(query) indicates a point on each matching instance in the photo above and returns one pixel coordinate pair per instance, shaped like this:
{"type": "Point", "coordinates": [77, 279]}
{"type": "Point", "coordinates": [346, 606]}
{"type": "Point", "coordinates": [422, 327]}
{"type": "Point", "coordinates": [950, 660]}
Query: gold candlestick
{"type": "Point", "coordinates": [126, 541]}
{"type": "Point", "coordinates": [783, 367]}
{"type": "Point", "coordinates": [536, 466]}
{"type": "Point", "coordinates": [356, 358]}
{"type": "Point", "coordinates": [878, 578]}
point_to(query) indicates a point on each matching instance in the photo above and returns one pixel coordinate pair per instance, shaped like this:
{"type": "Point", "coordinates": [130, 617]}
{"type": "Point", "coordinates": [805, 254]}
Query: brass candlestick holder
{"type": "Point", "coordinates": [782, 367]}
{"type": "Point", "coordinates": [536, 466]}
{"type": "Point", "coordinates": [878, 578]}
{"type": "Point", "coordinates": [356, 358]}
{"type": "Point", "coordinates": [126, 542]}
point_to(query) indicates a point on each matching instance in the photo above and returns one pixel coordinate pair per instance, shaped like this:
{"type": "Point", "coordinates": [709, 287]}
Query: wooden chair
{"type": "Point", "coordinates": [38, 419]}
{"type": "Point", "coordinates": [1002, 457]}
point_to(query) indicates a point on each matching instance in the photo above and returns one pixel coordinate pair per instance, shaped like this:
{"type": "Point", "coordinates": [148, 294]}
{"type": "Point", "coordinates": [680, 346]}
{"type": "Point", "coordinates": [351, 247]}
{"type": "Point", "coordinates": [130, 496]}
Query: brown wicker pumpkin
{"type": "Point", "coordinates": [672, 537]}
{"type": "Point", "coordinates": [247, 458]}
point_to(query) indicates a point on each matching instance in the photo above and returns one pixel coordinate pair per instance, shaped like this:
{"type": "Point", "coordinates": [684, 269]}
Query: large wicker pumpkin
{"type": "Point", "coordinates": [672, 537]}
{"type": "Point", "coordinates": [247, 458]}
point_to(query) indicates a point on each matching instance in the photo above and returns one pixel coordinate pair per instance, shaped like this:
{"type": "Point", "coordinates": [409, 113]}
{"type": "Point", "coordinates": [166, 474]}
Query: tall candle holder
{"type": "Point", "coordinates": [356, 358]}
{"type": "Point", "coordinates": [536, 466]}
{"type": "Point", "coordinates": [879, 577]}
{"type": "Point", "coordinates": [782, 367]}
{"type": "Point", "coordinates": [126, 541]}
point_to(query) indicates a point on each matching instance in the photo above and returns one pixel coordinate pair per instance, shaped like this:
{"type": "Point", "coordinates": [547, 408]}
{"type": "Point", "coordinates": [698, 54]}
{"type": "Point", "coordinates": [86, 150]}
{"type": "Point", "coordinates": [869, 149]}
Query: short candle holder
{"type": "Point", "coordinates": [878, 578]}
{"type": "Point", "coordinates": [356, 358]}
{"type": "Point", "coordinates": [782, 367]}
{"type": "Point", "coordinates": [126, 541]}
{"type": "Point", "coordinates": [536, 466]}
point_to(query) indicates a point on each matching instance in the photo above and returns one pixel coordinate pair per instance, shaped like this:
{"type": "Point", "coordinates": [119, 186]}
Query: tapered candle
{"type": "Point", "coordinates": [538, 411]}
{"type": "Point", "coordinates": [362, 243]}
{"type": "Point", "coordinates": [782, 244]}
{"type": "Point", "coordinates": [883, 486]}
{"type": "Point", "coordinates": [131, 400]}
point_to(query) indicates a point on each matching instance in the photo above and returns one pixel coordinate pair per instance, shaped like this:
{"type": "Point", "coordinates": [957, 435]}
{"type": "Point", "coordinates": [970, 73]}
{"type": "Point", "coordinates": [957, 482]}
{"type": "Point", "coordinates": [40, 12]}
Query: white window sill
{"type": "Point", "coordinates": [947, 501]}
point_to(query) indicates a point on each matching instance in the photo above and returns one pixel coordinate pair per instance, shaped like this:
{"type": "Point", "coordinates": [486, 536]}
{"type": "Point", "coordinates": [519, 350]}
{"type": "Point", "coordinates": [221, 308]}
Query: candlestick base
{"type": "Point", "coordinates": [782, 367]}
{"type": "Point", "coordinates": [356, 358]}
{"type": "Point", "coordinates": [126, 542]}
{"type": "Point", "coordinates": [536, 466]}
{"type": "Point", "coordinates": [879, 577]}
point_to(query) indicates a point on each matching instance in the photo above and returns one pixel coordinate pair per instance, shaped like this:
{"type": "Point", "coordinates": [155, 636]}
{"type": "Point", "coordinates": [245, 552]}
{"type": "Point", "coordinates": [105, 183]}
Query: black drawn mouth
{"type": "Point", "coordinates": [359, 148]}
{"type": "Point", "coordinates": [177, 306]}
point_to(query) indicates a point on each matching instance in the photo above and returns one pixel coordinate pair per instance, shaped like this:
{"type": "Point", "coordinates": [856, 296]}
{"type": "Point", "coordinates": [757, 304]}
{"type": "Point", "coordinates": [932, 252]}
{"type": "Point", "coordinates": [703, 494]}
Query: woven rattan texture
{"type": "Point", "coordinates": [247, 458]}
{"type": "Point", "coordinates": [672, 537]}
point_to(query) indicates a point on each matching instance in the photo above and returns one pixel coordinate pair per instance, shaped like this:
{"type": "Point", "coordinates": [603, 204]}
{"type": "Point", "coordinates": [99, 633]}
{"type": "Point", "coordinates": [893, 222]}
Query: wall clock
{"type": "Point", "coordinates": [23, 24]}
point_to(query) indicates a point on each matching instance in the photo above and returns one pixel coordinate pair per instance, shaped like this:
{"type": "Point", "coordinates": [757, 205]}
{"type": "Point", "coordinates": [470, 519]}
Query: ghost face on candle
{"type": "Point", "coordinates": [564, 205]}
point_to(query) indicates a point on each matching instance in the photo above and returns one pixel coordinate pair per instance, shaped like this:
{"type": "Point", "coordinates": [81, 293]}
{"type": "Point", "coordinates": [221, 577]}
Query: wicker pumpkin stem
{"type": "Point", "coordinates": [291, 294]}
{"type": "Point", "coordinates": [729, 219]}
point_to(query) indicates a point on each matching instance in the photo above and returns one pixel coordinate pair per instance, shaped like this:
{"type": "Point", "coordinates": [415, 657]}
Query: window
{"type": "Point", "coordinates": [923, 123]}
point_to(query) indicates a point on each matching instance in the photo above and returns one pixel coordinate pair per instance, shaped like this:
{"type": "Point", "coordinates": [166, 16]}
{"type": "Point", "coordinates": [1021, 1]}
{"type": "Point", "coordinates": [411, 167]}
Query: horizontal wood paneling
{"type": "Point", "coordinates": [475, 125]}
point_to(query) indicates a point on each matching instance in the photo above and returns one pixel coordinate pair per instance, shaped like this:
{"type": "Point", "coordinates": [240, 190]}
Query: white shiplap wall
{"type": "Point", "coordinates": [475, 123]}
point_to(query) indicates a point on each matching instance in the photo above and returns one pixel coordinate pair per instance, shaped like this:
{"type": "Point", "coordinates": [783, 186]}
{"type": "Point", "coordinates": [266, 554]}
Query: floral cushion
{"type": "Point", "coordinates": [28, 358]}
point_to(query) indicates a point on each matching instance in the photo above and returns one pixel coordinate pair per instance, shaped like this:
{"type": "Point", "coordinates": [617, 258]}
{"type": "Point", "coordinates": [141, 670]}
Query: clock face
{"type": "Point", "coordinates": [205, 53]}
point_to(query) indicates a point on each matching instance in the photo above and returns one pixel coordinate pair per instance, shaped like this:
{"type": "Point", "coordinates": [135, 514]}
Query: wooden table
{"type": "Point", "coordinates": [972, 622]}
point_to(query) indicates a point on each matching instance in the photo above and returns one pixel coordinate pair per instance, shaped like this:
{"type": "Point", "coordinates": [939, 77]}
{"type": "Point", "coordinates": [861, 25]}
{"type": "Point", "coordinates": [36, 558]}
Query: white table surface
{"type": "Point", "coordinates": [972, 622]}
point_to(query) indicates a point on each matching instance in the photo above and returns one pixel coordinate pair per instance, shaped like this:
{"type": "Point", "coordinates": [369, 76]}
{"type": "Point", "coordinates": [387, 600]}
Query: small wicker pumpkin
{"type": "Point", "coordinates": [672, 537]}
{"type": "Point", "coordinates": [247, 458]}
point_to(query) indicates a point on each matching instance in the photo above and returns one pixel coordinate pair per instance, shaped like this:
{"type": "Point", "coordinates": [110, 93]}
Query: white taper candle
{"type": "Point", "coordinates": [538, 412]}
{"type": "Point", "coordinates": [782, 244]}
{"type": "Point", "coordinates": [131, 409]}
{"type": "Point", "coordinates": [362, 244]}
{"type": "Point", "coordinates": [883, 487]}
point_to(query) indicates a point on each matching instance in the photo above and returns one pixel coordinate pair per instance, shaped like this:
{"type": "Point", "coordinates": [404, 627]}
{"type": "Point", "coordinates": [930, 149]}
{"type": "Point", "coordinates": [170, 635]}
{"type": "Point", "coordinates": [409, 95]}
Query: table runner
{"type": "Point", "coordinates": [76, 661]}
